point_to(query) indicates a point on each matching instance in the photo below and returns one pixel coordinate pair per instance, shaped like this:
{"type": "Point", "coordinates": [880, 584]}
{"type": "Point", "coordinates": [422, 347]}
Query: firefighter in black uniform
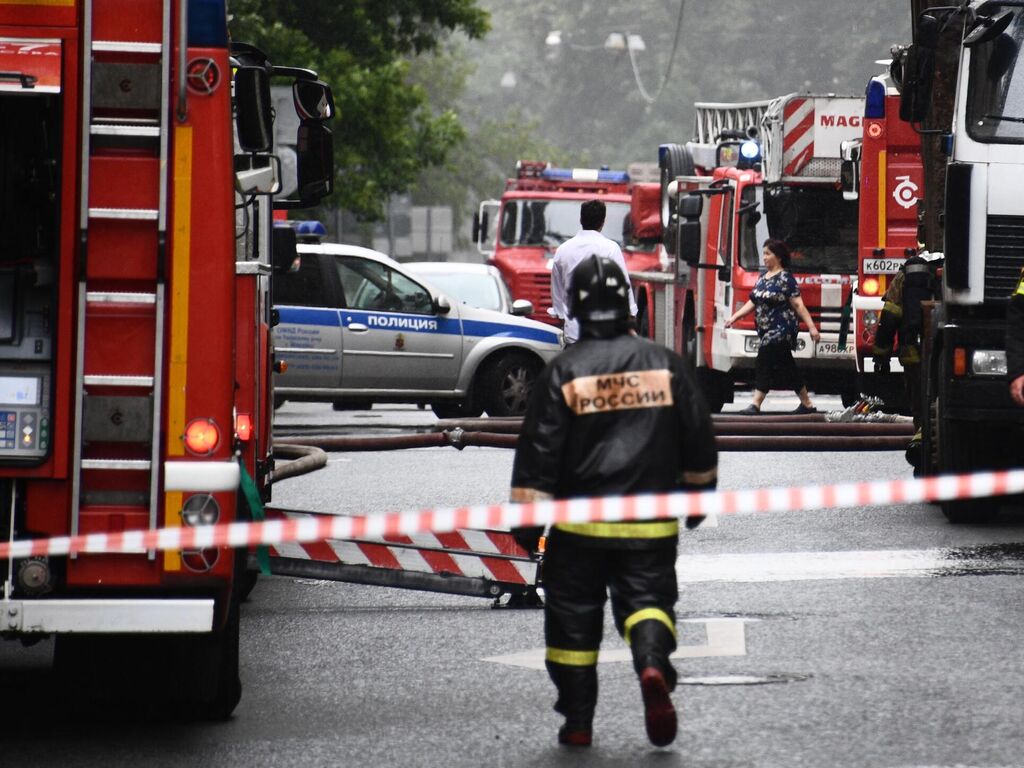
{"type": "Point", "coordinates": [614, 414]}
{"type": "Point", "coordinates": [901, 322]}
{"type": "Point", "coordinates": [1015, 342]}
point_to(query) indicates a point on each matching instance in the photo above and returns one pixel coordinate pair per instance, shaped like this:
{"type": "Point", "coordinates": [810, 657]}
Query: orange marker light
{"type": "Point", "coordinates": [959, 361]}
{"type": "Point", "coordinates": [202, 437]}
{"type": "Point", "coordinates": [870, 286]}
{"type": "Point", "coordinates": [243, 427]}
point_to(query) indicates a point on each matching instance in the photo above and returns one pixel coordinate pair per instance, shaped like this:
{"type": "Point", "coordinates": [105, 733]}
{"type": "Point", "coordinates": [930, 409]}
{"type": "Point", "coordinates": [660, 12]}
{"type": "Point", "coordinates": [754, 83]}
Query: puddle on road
{"type": "Point", "coordinates": [987, 560]}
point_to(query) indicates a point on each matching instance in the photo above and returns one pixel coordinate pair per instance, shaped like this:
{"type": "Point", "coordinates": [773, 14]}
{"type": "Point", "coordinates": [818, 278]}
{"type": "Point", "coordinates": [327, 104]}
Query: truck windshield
{"type": "Point", "coordinates": [995, 93]}
{"type": "Point", "coordinates": [552, 222]}
{"type": "Point", "coordinates": [817, 224]}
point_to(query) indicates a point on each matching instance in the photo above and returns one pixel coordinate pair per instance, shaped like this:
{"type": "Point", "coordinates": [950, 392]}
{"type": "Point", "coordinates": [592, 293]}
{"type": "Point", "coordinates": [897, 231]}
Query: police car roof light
{"type": "Point", "coordinates": [874, 102]}
{"type": "Point", "coordinates": [310, 230]}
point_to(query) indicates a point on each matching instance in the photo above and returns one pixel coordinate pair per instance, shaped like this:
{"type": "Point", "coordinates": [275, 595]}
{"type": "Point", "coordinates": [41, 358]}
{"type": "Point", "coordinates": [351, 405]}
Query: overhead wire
{"type": "Point", "coordinates": [668, 69]}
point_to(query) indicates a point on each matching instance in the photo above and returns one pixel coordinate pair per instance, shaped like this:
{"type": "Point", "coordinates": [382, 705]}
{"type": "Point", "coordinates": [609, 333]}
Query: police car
{"type": "Point", "coordinates": [355, 328]}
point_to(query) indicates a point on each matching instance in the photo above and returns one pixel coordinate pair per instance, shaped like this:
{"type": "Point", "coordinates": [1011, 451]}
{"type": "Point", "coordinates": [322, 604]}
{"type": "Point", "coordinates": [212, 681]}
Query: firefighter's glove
{"type": "Point", "coordinates": [882, 364]}
{"type": "Point", "coordinates": [528, 537]}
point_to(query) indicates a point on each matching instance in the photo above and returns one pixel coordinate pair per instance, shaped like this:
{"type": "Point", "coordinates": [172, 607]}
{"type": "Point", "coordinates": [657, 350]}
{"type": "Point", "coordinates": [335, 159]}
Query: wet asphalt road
{"type": "Point", "coordinates": [861, 637]}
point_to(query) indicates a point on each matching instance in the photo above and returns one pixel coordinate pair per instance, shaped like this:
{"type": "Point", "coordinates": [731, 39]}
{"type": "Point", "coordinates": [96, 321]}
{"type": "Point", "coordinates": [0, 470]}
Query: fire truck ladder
{"type": "Point", "coordinates": [475, 563]}
{"type": "Point", "coordinates": [121, 270]}
{"type": "Point", "coordinates": [714, 118]}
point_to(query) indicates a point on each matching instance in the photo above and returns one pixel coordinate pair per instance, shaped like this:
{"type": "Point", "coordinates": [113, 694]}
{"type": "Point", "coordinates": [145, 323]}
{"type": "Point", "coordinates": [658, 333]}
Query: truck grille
{"type": "Point", "coordinates": [827, 320]}
{"type": "Point", "coordinates": [534, 287]}
{"type": "Point", "coordinates": [1004, 257]}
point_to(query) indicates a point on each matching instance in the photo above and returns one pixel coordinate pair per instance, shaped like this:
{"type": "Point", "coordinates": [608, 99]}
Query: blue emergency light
{"type": "Point", "coordinates": [310, 230]}
{"type": "Point", "coordinates": [874, 101]}
{"type": "Point", "coordinates": [207, 23]}
{"type": "Point", "coordinates": [585, 174]}
{"type": "Point", "coordinates": [750, 151]}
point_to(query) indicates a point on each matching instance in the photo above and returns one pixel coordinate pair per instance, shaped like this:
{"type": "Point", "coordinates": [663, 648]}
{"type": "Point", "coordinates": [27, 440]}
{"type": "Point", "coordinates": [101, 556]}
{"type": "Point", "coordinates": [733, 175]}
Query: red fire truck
{"type": "Point", "coordinates": [134, 328]}
{"type": "Point", "coordinates": [755, 170]}
{"type": "Point", "coordinates": [540, 210]}
{"type": "Point", "coordinates": [882, 169]}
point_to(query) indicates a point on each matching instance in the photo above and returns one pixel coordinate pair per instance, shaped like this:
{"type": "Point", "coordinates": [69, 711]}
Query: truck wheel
{"type": "Point", "coordinates": [958, 448]}
{"type": "Point", "coordinates": [506, 385]}
{"type": "Point", "coordinates": [689, 340]}
{"type": "Point", "coordinates": [213, 671]}
{"type": "Point", "coordinates": [198, 674]}
{"type": "Point", "coordinates": [643, 323]}
{"type": "Point", "coordinates": [675, 161]}
{"type": "Point", "coordinates": [712, 386]}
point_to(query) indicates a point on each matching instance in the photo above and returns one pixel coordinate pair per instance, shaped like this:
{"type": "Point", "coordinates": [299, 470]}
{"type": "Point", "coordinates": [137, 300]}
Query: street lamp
{"type": "Point", "coordinates": [624, 41]}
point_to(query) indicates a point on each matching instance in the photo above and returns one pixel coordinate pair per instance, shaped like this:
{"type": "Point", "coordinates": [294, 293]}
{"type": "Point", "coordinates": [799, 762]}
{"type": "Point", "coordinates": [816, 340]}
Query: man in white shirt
{"type": "Point", "coordinates": [588, 242]}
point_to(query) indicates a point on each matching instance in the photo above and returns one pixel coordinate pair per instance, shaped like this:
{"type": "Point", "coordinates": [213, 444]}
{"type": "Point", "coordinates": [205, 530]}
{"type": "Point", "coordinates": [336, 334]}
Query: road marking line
{"type": "Point", "coordinates": [863, 564]}
{"type": "Point", "coordinates": [725, 637]}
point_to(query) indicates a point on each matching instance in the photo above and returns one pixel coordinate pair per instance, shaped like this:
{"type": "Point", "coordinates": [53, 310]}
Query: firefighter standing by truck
{"type": "Point", "coordinates": [612, 415]}
{"type": "Point", "coordinates": [1015, 342]}
{"type": "Point", "coordinates": [901, 324]}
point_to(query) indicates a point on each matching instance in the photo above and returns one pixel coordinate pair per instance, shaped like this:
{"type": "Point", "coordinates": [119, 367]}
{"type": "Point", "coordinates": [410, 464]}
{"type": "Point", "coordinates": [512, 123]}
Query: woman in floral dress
{"type": "Point", "coordinates": [778, 309]}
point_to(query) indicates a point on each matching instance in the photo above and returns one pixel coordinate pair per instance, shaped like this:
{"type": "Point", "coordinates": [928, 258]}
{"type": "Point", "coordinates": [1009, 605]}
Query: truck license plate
{"type": "Point", "coordinates": [830, 349]}
{"type": "Point", "coordinates": [882, 266]}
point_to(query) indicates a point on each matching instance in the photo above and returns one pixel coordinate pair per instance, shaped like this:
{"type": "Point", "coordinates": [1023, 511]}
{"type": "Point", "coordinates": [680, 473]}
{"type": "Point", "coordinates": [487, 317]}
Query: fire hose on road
{"type": "Point", "coordinates": [768, 433]}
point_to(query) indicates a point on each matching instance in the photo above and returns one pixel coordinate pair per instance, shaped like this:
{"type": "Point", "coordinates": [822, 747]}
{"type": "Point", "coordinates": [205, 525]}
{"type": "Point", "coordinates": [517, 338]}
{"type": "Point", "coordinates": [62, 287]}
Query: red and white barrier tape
{"type": "Point", "coordinates": [607, 509]}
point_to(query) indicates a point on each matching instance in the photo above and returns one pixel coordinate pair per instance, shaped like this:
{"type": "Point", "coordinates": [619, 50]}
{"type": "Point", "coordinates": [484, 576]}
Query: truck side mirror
{"type": "Point", "coordinates": [689, 209]}
{"type": "Point", "coordinates": [283, 249]}
{"type": "Point", "coordinates": [691, 206]}
{"type": "Point", "coordinates": [315, 148]}
{"type": "Point", "coordinates": [988, 28]}
{"type": "Point", "coordinates": [849, 179]}
{"type": "Point", "coordinates": [480, 227]}
{"type": "Point", "coordinates": [915, 99]}
{"type": "Point", "coordinates": [313, 100]}
{"type": "Point", "coordinates": [254, 121]}
{"type": "Point", "coordinates": [919, 70]}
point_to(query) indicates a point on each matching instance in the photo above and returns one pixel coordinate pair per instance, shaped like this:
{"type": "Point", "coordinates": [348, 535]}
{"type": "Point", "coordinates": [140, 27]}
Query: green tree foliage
{"type": "Point", "coordinates": [387, 130]}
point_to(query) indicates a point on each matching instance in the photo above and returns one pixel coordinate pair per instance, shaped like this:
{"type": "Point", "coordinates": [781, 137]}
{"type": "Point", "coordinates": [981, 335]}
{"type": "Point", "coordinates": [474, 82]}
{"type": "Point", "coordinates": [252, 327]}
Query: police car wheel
{"type": "Point", "coordinates": [506, 385]}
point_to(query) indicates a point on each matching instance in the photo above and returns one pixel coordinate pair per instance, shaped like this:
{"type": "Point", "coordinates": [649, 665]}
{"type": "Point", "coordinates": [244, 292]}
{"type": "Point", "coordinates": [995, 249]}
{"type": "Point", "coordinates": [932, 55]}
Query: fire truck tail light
{"type": "Point", "coordinates": [202, 436]}
{"type": "Point", "coordinates": [870, 286]}
{"type": "Point", "coordinates": [243, 426]}
{"type": "Point", "coordinates": [201, 509]}
{"type": "Point", "coordinates": [874, 101]}
{"type": "Point", "coordinates": [959, 361]}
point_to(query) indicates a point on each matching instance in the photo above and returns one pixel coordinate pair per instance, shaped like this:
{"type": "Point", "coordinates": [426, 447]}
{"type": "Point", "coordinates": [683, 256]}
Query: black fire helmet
{"type": "Point", "coordinates": [598, 291]}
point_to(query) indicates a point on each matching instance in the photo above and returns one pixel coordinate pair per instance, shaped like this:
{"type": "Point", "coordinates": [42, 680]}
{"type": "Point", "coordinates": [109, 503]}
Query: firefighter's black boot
{"type": "Point", "coordinates": [577, 699]}
{"type": "Point", "coordinates": [651, 643]}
